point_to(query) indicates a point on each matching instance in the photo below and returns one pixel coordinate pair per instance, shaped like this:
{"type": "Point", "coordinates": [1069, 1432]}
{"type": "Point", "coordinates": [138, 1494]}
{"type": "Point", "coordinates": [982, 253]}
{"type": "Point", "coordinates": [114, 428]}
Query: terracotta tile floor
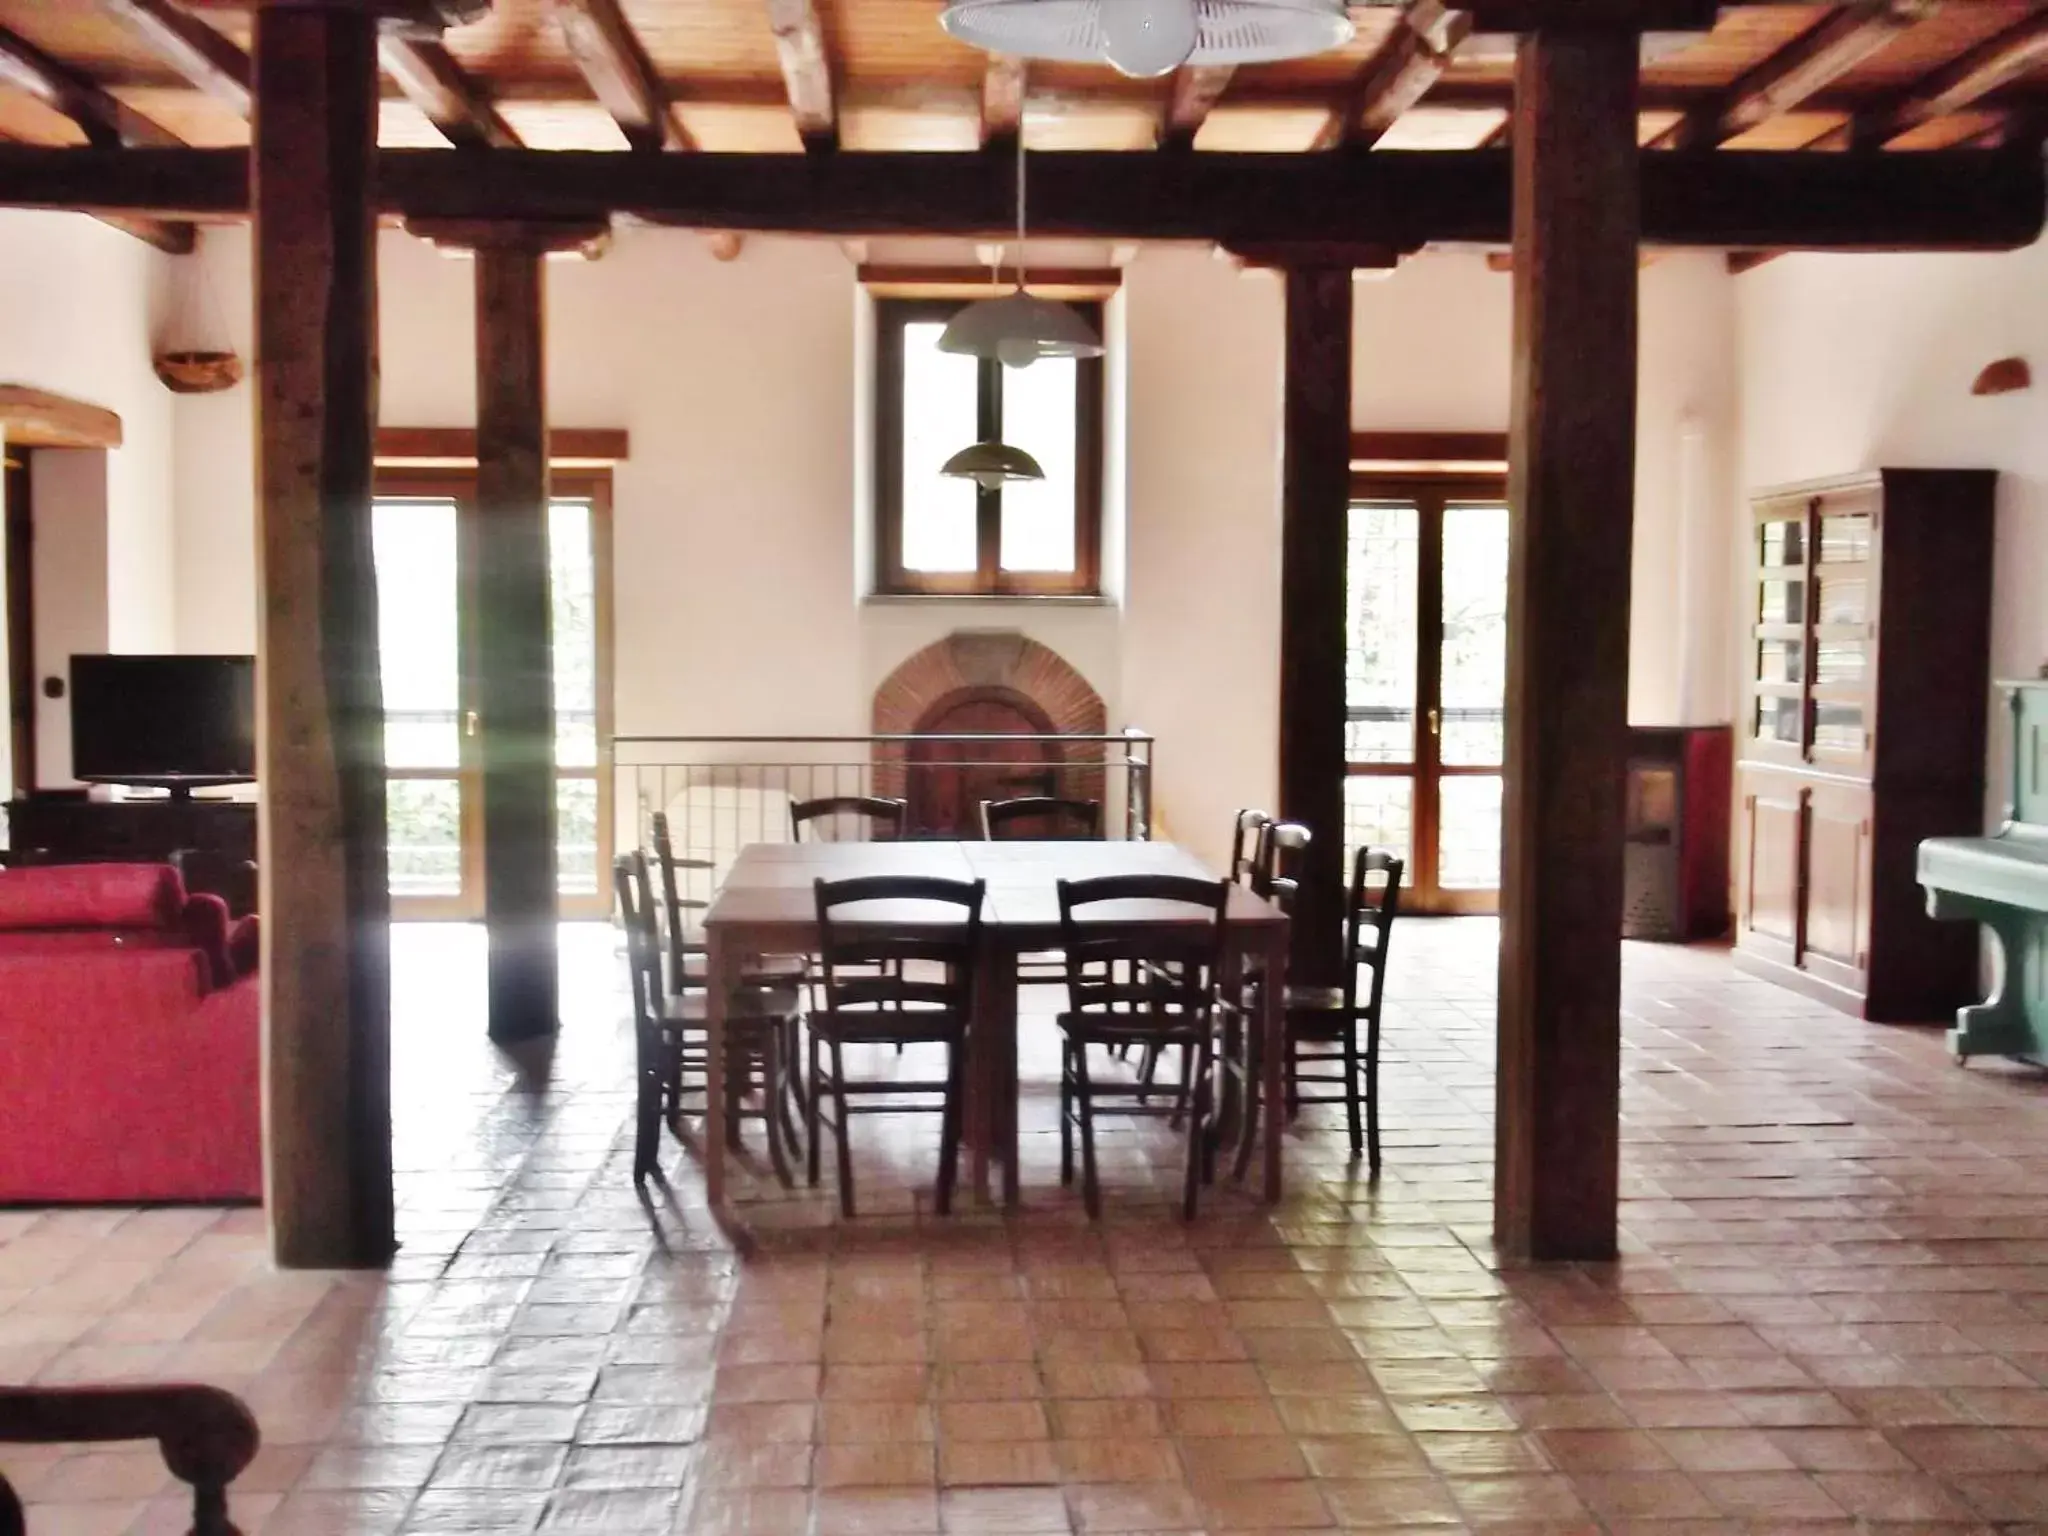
{"type": "Point", "coordinates": [1833, 1312]}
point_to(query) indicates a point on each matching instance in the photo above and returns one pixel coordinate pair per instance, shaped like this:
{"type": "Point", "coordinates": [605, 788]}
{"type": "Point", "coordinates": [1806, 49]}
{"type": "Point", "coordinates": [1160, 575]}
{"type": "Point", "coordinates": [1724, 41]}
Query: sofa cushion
{"type": "Point", "coordinates": [90, 896]}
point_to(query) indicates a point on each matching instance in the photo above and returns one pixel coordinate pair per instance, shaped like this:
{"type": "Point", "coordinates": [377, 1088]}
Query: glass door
{"type": "Point", "coordinates": [423, 527]}
{"type": "Point", "coordinates": [1427, 679]}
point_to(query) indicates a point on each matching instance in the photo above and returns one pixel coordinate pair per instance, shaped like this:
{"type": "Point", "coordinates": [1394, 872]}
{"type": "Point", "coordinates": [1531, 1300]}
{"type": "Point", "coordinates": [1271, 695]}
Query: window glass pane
{"type": "Point", "coordinates": [1777, 719]}
{"type": "Point", "coordinates": [424, 821]}
{"type": "Point", "coordinates": [1844, 599]}
{"type": "Point", "coordinates": [576, 836]}
{"type": "Point", "coordinates": [572, 578]}
{"type": "Point", "coordinates": [1782, 602]}
{"type": "Point", "coordinates": [1845, 536]}
{"type": "Point", "coordinates": [1039, 405]}
{"type": "Point", "coordinates": [413, 547]}
{"type": "Point", "coordinates": [1782, 542]}
{"type": "Point", "coordinates": [1468, 833]}
{"type": "Point", "coordinates": [1780, 661]}
{"type": "Point", "coordinates": [1379, 687]}
{"type": "Point", "coordinates": [940, 417]}
{"type": "Point", "coordinates": [1376, 815]}
{"type": "Point", "coordinates": [1839, 662]}
{"type": "Point", "coordinates": [1475, 654]}
{"type": "Point", "coordinates": [1838, 728]}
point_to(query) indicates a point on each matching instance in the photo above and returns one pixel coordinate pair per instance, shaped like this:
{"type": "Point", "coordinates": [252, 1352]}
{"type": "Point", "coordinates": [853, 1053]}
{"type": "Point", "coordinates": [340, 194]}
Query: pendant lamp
{"type": "Point", "coordinates": [992, 465]}
{"type": "Point", "coordinates": [1146, 38]}
{"type": "Point", "coordinates": [1017, 329]}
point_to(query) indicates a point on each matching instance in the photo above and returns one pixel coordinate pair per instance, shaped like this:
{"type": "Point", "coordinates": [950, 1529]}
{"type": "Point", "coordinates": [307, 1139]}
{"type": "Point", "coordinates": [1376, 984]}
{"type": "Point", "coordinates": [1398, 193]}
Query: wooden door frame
{"type": "Point", "coordinates": [457, 483]}
{"type": "Point", "coordinates": [1429, 492]}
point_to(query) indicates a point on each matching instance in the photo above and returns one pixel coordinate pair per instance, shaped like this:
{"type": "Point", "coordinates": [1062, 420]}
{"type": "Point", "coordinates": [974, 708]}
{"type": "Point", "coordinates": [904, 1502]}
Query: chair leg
{"type": "Point", "coordinates": [1293, 1072]}
{"type": "Point", "coordinates": [1180, 1098]}
{"type": "Point", "coordinates": [949, 1124]}
{"type": "Point", "coordinates": [1253, 1100]}
{"type": "Point", "coordinates": [839, 1131]}
{"type": "Point", "coordinates": [1066, 1111]}
{"type": "Point", "coordinates": [1351, 1089]}
{"type": "Point", "coordinates": [1084, 1097]}
{"type": "Point", "coordinates": [647, 1120]}
{"type": "Point", "coordinates": [739, 1072]}
{"type": "Point", "coordinates": [1198, 1130]}
{"type": "Point", "coordinates": [1372, 1095]}
{"type": "Point", "coordinates": [1148, 1066]}
{"type": "Point", "coordinates": [812, 1138]}
{"type": "Point", "coordinates": [773, 1067]}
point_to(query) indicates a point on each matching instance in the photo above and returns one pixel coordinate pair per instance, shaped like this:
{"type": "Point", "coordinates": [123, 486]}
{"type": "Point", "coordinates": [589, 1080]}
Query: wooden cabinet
{"type": "Point", "coordinates": [1866, 624]}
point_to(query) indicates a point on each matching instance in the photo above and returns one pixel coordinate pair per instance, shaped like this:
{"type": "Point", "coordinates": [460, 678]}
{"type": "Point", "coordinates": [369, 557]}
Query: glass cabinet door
{"type": "Point", "coordinates": [1780, 620]}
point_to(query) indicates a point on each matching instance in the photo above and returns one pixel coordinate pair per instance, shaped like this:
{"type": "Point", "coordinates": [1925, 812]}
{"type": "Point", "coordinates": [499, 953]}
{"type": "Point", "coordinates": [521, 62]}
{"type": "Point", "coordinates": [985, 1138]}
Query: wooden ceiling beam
{"type": "Point", "coordinates": [1937, 200]}
{"type": "Point", "coordinates": [432, 81]}
{"type": "Point", "coordinates": [35, 418]}
{"type": "Point", "coordinates": [106, 120]}
{"type": "Point", "coordinates": [203, 56]}
{"type": "Point", "coordinates": [1796, 73]}
{"type": "Point", "coordinates": [1003, 88]}
{"type": "Point", "coordinates": [1400, 76]}
{"type": "Point", "coordinates": [1196, 90]}
{"type": "Point", "coordinates": [620, 74]}
{"type": "Point", "coordinates": [806, 70]}
{"type": "Point", "coordinates": [1991, 64]}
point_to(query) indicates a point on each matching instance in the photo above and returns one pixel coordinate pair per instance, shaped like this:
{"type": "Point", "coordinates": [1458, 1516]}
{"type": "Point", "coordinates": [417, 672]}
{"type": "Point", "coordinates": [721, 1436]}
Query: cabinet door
{"type": "Point", "coordinates": [1838, 883]}
{"type": "Point", "coordinates": [1773, 827]}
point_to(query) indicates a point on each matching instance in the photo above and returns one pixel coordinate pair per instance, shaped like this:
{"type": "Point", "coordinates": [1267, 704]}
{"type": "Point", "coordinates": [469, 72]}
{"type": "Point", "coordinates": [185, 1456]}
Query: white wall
{"type": "Point", "coordinates": [1863, 362]}
{"type": "Point", "coordinates": [1433, 351]}
{"type": "Point", "coordinates": [80, 304]}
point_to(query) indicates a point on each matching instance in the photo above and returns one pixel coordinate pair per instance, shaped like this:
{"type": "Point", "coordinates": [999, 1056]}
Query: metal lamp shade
{"type": "Point", "coordinates": [990, 465]}
{"type": "Point", "coordinates": [1226, 31]}
{"type": "Point", "coordinates": [1018, 329]}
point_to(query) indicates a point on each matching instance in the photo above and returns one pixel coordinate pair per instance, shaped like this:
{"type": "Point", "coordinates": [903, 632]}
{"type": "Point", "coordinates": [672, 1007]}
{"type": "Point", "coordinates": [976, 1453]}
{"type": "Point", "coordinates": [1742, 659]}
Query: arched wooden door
{"type": "Point", "coordinates": [948, 780]}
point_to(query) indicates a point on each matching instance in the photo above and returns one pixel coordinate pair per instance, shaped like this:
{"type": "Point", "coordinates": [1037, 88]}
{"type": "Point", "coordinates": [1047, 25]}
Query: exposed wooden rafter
{"type": "Point", "coordinates": [1797, 72]}
{"type": "Point", "coordinates": [1399, 77]}
{"type": "Point", "coordinates": [1935, 200]}
{"type": "Point", "coordinates": [432, 81]}
{"type": "Point", "coordinates": [1993, 63]}
{"type": "Point", "coordinates": [806, 70]}
{"type": "Point", "coordinates": [1196, 90]}
{"type": "Point", "coordinates": [107, 123]}
{"type": "Point", "coordinates": [619, 73]}
{"type": "Point", "coordinates": [1002, 101]}
{"type": "Point", "coordinates": [203, 56]}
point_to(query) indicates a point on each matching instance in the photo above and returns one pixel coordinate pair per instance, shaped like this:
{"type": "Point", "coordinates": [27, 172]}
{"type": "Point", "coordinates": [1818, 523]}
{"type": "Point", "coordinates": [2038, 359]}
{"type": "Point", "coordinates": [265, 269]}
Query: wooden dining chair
{"type": "Point", "coordinates": [1148, 980]}
{"type": "Point", "coordinates": [893, 978]}
{"type": "Point", "coordinates": [1324, 1023]}
{"type": "Point", "coordinates": [1046, 818]}
{"type": "Point", "coordinates": [867, 818]}
{"type": "Point", "coordinates": [672, 1040]}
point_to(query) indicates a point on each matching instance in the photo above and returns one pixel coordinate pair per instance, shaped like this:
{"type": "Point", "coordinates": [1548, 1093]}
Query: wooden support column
{"type": "Point", "coordinates": [1315, 503]}
{"type": "Point", "coordinates": [1571, 486]}
{"type": "Point", "coordinates": [325, 897]}
{"type": "Point", "coordinates": [515, 657]}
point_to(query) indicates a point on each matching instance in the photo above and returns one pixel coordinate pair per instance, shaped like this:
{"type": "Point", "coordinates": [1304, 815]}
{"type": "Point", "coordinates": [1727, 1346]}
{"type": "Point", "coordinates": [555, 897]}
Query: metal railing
{"type": "Point", "coordinates": [721, 793]}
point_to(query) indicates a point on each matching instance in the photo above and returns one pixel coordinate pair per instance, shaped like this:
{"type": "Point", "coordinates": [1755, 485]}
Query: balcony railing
{"type": "Point", "coordinates": [721, 793]}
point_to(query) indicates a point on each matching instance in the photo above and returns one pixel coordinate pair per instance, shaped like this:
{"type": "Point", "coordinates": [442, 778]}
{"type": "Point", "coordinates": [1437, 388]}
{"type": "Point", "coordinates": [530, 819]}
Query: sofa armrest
{"type": "Point", "coordinates": [207, 1437]}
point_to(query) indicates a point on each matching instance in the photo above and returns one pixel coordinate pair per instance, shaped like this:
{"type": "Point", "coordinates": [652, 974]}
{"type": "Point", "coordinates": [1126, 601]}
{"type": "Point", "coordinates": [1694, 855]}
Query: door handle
{"type": "Point", "coordinates": [1436, 722]}
{"type": "Point", "coordinates": [469, 723]}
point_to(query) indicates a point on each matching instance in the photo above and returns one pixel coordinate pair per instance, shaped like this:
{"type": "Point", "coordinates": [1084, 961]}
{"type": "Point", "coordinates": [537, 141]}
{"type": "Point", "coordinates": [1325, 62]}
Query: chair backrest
{"type": "Point", "coordinates": [1143, 949]}
{"type": "Point", "coordinates": [1247, 837]}
{"type": "Point", "coordinates": [1375, 901]}
{"type": "Point", "coordinates": [861, 818]}
{"type": "Point", "coordinates": [899, 943]}
{"type": "Point", "coordinates": [1047, 818]}
{"type": "Point", "coordinates": [675, 907]}
{"type": "Point", "coordinates": [643, 944]}
{"type": "Point", "coordinates": [1273, 876]}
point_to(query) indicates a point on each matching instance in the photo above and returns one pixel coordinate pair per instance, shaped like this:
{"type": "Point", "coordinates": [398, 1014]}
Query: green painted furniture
{"type": "Point", "coordinates": [2002, 882]}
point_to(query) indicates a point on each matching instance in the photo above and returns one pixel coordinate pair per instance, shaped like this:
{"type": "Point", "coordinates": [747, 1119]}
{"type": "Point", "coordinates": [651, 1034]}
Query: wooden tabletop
{"type": "Point", "coordinates": [770, 884]}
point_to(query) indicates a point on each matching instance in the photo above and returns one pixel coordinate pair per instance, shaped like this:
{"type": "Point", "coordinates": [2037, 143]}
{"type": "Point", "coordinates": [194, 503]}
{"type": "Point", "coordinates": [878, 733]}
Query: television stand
{"type": "Point", "coordinates": [214, 841]}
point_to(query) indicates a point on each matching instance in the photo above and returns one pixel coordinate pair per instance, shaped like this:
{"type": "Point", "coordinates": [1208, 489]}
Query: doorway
{"type": "Point", "coordinates": [424, 534]}
{"type": "Point", "coordinates": [1426, 682]}
{"type": "Point", "coordinates": [949, 778]}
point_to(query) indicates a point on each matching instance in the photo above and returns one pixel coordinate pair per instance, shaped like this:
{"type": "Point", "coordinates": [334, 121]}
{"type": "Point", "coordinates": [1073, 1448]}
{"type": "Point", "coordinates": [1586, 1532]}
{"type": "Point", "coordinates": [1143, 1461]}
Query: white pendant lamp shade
{"type": "Point", "coordinates": [1018, 329]}
{"type": "Point", "coordinates": [992, 465]}
{"type": "Point", "coordinates": [1151, 37]}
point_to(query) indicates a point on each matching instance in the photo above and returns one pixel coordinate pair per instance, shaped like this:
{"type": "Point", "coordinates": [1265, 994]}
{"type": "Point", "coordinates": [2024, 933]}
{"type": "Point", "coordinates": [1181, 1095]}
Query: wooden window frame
{"type": "Point", "coordinates": [456, 481]}
{"type": "Point", "coordinates": [988, 579]}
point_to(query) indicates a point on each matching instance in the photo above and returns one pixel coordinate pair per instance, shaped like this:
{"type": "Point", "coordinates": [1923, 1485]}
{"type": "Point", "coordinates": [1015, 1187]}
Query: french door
{"type": "Point", "coordinates": [424, 526]}
{"type": "Point", "coordinates": [1426, 683]}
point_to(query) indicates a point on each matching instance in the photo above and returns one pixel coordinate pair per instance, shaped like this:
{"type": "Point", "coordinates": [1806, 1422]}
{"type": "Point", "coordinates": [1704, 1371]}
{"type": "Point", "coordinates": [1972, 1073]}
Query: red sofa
{"type": "Point", "coordinates": [130, 1039]}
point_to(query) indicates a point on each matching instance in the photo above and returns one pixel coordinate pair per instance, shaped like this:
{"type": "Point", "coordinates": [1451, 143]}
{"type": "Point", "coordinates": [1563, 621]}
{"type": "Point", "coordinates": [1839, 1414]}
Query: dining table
{"type": "Point", "coordinates": [767, 905]}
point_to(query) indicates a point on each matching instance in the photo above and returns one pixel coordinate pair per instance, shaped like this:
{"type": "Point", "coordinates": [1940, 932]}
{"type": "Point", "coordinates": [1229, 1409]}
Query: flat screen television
{"type": "Point", "coordinates": [171, 721]}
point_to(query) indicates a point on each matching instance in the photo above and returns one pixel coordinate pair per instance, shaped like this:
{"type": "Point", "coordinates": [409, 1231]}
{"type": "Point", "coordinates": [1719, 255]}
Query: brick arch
{"type": "Point", "coordinates": [987, 663]}
{"type": "Point", "coordinates": [1033, 681]}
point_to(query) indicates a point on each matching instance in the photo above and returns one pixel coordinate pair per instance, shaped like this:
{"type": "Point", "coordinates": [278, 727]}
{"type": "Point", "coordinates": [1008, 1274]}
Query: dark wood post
{"type": "Point", "coordinates": [1571, 487]}
{"type": "Point", "coordinates": [515, 656]}
{"type": "Point", "coordinates": [1315, 503]}
{"type": "Point", "coordinates": [325, 896]}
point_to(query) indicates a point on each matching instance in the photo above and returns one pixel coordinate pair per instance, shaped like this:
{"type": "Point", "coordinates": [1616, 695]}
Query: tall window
{"type": "Point", "coordinates": [942, 536]}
